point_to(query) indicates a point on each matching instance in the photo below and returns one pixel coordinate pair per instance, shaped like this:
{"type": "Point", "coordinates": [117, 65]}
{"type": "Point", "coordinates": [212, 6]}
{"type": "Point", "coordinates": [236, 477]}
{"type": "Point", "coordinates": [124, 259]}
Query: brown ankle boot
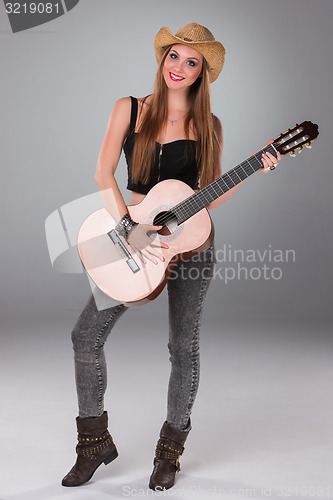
{"type": "Point", "coordinates": [95, 445]}
{"type": "Point", "coordinates": [166, 462]}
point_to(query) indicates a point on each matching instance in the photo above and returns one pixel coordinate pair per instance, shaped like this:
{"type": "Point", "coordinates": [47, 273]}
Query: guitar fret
{"type": "Point", "coordinates": [203, 194]}
{"type": "Point", "coordinates": [215, 192]}
{"type": "Point", "coordinates": [259, 161]}
{"type": "Point", "coordinates": [250, 164]}
{"type": "Point", "coordinates": [241, 173]}
{"type": "Point", "coordinates": [219, 181]}
{"type": "Point", "coordinates": [234, 177]}
{"type": "Point", "coordinates": [227, 180]}
{"type": "Point", "coordinates": [248, 169]}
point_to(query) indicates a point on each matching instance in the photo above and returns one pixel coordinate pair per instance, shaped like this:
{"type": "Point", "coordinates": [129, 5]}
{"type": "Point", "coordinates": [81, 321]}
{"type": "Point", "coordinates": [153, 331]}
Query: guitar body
{"type": "Point", "coordinates": [109, 270]}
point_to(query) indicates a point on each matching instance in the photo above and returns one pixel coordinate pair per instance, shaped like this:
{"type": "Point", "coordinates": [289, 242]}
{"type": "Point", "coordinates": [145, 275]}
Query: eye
{"type": "Point", "coordinates": [173, 55]}
{"type": "Point", "coordinates": [192, 63]}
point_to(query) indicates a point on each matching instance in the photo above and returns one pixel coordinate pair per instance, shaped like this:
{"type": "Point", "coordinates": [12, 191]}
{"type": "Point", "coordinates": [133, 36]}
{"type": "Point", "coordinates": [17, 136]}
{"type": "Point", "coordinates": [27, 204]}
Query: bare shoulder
{"type": "Point", "coordinates": [120, 116]}
{"type": "Point", "coordinates": [121, 111]}
{"type": "Point", "coordinates": [122, 108]}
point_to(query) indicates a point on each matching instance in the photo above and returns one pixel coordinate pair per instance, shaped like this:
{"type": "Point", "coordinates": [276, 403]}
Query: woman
{"type": "Point", "coordinates": [169, 134]}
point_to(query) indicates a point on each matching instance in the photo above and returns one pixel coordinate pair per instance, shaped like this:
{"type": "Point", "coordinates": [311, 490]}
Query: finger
{"type": "Point", "coordinates": [149, 256]}
{"type": "Point", "coordinates": [266, 166]}
{"type": "Point", "coordinates": [278, 155]}
{"type": "Point", "coordinates": [153, 252]}
{"type": "Point", "coordinates": [159, 244]}
{"type": "Point", "coordinates": [141, 257]}
{"type": "Point", "coordinates": [138, 252]}
{"type": "Point", "coordinates": [162, 244]}
{"type": "Point", "coordinates": [269, 159]}
{"type": "Point", "coordinates": [274, 160]}
{"type": "Point", "coordinates": [153, 228]}
{"type": "Point", "coordinates": [265, 161]}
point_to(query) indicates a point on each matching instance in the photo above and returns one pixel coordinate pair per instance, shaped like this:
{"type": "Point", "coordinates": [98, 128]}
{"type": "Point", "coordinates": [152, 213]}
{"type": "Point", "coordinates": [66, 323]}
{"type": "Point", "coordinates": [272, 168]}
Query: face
{"type": "Point", "coordinates": [182, 66]}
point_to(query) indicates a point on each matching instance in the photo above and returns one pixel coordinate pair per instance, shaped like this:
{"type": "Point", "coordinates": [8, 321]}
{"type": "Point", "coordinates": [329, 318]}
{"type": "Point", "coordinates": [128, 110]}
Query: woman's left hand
{"type": "Point", "coordinates": [269, 160]}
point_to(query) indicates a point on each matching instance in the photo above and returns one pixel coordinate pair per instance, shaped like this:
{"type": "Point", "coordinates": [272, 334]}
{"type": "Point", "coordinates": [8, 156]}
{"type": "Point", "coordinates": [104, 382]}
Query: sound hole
{"type": "Point", "coordinates": [169, 222]}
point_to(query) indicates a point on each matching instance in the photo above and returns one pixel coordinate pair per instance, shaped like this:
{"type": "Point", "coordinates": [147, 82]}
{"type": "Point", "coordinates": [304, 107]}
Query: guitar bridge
{"type": "Point", "coordinates": [125, 254]}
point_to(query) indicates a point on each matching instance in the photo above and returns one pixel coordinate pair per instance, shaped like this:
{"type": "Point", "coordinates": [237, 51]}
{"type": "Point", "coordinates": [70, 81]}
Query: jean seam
{"type": "Point", "coordinates": [96, 351]}
{"type": "Point", "coordinates": [194, 348]}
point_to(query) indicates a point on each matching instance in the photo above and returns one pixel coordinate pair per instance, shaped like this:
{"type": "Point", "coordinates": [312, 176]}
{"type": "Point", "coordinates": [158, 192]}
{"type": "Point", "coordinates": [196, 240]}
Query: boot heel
{"type": "Point", "coordinates": [111, 457]}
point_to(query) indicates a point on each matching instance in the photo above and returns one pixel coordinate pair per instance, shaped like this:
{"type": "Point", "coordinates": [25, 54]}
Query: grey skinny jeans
{"type": "Point", "coordinates": [187, 288]}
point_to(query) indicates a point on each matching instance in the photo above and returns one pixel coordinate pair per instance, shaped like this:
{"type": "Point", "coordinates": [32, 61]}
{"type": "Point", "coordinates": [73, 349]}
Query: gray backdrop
{"type": "Point", "coordinates": [263, 417]}
{"type": "Point", "coordinates": [59, 83]}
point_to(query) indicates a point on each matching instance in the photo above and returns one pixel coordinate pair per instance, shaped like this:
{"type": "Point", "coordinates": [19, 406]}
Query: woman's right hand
{"type": "Point", "coordinates": [145, 246]}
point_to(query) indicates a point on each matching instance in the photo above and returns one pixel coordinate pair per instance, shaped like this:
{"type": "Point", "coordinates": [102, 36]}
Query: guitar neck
{"type": "Point", "coordinates": [199, 200]}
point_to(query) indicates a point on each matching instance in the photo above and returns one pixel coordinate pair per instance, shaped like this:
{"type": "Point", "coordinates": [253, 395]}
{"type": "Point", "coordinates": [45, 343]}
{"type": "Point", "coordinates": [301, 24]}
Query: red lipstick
{"type": "Point", "coordinates": [178, 79]}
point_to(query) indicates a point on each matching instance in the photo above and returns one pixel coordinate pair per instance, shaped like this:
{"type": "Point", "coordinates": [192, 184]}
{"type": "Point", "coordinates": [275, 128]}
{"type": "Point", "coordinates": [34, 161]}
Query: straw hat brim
{"type": "Point", "coordinates": [212, 50]}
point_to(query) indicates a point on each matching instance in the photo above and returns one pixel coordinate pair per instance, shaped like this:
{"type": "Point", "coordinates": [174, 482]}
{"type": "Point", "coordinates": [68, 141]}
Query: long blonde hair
{"type": "Point", "coordinates": [156, 119]}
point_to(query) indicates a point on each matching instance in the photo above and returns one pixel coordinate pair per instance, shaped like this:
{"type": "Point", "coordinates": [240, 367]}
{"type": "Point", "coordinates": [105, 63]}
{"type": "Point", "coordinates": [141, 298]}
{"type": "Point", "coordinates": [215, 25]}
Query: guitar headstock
{"type": "Point", "coordinates": [297, 137]}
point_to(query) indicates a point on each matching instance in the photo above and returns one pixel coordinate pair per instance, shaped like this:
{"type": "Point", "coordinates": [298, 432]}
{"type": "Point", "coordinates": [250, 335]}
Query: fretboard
{"type": "Point", "coordinates": [199, 200]}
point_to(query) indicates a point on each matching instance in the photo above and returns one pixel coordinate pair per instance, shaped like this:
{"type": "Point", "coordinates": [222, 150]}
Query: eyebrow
{"type": "Point", "coordinates": [173, 50]}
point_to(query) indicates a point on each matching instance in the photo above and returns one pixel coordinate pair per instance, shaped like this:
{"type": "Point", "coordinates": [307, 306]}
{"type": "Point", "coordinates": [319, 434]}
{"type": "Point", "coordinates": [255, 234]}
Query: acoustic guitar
{"type": "Point", "coordinates": [186, 226]}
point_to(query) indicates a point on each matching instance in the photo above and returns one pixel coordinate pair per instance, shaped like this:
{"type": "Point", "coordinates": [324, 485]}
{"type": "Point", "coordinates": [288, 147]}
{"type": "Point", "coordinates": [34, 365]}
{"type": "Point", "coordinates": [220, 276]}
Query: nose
{"type": "Point", "coordinates": [179, 66]}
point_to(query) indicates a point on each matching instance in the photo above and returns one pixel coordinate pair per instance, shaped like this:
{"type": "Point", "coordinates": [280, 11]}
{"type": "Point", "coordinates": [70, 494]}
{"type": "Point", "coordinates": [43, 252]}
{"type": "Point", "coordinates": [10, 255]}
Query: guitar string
{"type": "Point", "coordinates": [198, 200]}
{"type": "Point", "coordinates": [188, 207]}
{"type": "Point", "coordinates": [193, 203]}
{"type": "Point", "coordinates": [188, 203]}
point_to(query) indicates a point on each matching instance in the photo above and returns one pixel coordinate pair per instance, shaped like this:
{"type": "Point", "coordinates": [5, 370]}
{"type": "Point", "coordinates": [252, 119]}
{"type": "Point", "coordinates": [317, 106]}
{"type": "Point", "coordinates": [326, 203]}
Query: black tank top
{"type": "Point", "coordinates": [173, 160]}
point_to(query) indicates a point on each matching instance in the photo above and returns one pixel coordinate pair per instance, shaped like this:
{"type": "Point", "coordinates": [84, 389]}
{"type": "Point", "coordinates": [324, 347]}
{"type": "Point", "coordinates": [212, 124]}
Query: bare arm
{"type": "Point", "coordinates": [108, 158]}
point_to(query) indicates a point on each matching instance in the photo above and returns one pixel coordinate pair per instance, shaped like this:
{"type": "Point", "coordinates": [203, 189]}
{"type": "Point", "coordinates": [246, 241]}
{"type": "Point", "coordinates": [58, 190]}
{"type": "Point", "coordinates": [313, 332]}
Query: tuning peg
{"type": "Point", "coordinates": [300, 149]}
{"type": "Point", "coordinates": [292, 154]}
{"type": "Point", "coordinates": [308, 145]}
